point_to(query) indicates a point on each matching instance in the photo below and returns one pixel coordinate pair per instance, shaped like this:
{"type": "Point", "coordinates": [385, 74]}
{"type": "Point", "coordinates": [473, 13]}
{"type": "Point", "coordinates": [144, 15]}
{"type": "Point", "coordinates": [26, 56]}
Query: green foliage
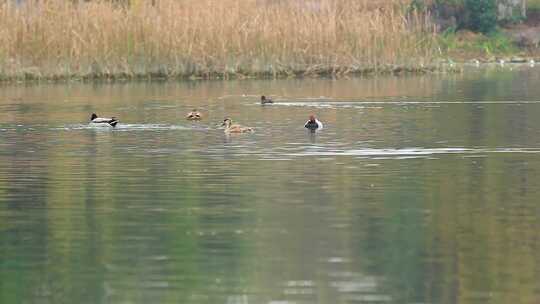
{"type": "Point", "coordinates": [498, 43]}
{"type": "Point", "coordinates": [448, 40]}
{"type": "Point", "coordinates": [493, 44]}
{"type": "Point", "coordinates": [476, 15]}
{"type": "Point", "coordinates": [418, 5]}
{"type": "Point", "coordinates": [533, 5]}
{"type": "Point", "coordinates": [449, 8]}
{"type": "Point", "coordinates": [482, 15]}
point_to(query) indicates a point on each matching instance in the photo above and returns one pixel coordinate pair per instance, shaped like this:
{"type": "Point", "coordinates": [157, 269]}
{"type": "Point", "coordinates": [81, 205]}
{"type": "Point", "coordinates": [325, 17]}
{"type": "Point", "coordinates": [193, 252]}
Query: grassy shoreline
{"type": "Point", "coordinates": [58, 39]}
{"type": "Point", "coordinates": [298, 73]}
{"type": "Point", "coordinates": [208, 39]}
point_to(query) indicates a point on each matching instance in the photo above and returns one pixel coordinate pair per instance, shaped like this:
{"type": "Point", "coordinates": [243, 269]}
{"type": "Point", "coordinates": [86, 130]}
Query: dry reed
{"type": "Point", "coordinates": [55, 39]}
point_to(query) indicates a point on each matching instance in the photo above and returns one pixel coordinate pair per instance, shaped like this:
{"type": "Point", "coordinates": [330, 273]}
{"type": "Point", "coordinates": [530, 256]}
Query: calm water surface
{"type": "Point", "coordinates": [420, 189]}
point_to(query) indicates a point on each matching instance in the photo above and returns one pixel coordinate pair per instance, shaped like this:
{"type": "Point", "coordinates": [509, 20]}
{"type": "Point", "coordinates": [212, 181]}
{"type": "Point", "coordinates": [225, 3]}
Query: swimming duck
{"type": "Point", "coordinates": [94, 119]}
{"type": "Point", "coordinates": [194, 115]}
{"type": "Point", "coordinates": [230, 128]}
{"type": "Point", "coordinates": [313, 123]}
{"type": "Point", "coordinates": [265, 100]}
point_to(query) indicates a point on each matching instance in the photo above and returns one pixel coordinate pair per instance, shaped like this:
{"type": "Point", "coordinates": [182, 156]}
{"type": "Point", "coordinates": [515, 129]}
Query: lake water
{"type": "Point", "coordinates": [420, 189]}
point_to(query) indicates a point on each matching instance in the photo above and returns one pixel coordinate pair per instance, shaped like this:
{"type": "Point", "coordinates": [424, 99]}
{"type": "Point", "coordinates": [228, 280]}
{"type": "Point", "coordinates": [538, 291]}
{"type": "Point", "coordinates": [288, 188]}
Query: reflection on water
{"type": "Point", "coordinates": [419, 190]}
{"type": "Point", "coordinates": [127, 127]}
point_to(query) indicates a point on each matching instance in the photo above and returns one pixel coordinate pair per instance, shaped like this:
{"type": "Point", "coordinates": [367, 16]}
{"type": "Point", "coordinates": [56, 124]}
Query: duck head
{"type": "Point", "coordinates": [312, 118]}
{"type": "Point", "coordinates": [226, 122]}
{"type": "Point", "coordinates": [94, 116]}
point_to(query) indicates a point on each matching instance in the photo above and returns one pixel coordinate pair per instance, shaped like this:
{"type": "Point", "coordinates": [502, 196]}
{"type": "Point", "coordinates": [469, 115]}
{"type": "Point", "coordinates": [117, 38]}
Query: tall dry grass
{"type": "Point", "coordinates": [60, 38]}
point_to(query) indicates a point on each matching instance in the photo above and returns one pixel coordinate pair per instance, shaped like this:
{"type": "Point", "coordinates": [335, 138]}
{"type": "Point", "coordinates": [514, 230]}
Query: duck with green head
{"type": "Point", "coordinates": [103, 121]}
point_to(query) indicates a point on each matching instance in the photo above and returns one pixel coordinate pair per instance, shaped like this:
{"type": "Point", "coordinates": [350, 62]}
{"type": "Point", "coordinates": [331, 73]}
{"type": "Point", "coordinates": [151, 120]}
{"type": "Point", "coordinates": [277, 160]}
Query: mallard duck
{"type": "Point", "coordinates": [194, 115]}
{"type": "Point", "coordinates": [313, 123]}
{"type": "Point", "coordinates": [265, 100]}
{"type": "Point", "coordinates": [102, 121]}
{"type": "Point", "coordinates": [230, 128]}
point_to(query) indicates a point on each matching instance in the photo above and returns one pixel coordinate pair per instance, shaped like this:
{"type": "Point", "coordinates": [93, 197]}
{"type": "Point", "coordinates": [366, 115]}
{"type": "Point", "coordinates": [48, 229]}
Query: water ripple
{"type": "Point", "coordinates": [363, 104]}
{"type": "Point", "coordinates": [411, 152]}
{"type": "Point", "coordinates": [129, 127]}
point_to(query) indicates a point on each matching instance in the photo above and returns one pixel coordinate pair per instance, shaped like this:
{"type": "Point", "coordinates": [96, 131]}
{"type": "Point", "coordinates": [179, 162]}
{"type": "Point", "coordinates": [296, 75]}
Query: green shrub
{"type": "Point", "coordinates": [474, 15]}
{"type": "Point", "coordinates": [482, 15]}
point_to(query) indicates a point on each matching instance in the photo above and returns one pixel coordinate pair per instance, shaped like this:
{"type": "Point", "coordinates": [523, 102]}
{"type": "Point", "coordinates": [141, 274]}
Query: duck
{"type": "Point", "coordinates": [102, 121]}
{"type": "Point", "coordinates": [194, 115]}
{"type": "Point", "coordinates": [230, 128]}
{"type": "Point", "coordinates": [265, 100]}
{"type": "Point", "coordinates": [313, 123]}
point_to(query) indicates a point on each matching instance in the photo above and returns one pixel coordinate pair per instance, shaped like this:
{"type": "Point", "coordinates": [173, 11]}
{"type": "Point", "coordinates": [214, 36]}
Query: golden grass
{"type": "Point", "coordinates": [209, 38]}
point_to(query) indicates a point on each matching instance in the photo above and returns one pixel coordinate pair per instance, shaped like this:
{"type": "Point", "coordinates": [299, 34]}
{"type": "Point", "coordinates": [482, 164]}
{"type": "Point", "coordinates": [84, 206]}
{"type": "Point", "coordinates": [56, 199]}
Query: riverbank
{"type": "Point", "coordinates": [210, 39]}
{"type": "Point", "coordinates": [62, 40]}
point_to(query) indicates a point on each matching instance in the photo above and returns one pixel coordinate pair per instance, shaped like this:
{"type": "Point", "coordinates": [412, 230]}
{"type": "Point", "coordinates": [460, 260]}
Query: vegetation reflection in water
{"type": "Point", "coordinates": [168, 211]}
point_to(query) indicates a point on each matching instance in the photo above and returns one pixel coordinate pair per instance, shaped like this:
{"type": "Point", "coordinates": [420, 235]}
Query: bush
{"type": "Point", "coordinates": [482, 15]}
{"type": "Point", "coordinates": [474, 15]}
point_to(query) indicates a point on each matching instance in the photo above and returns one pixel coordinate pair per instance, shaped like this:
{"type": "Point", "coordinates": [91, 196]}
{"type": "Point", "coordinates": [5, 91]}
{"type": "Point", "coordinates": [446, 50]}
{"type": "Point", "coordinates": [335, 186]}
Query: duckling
{"type": "Point", "coordinates": [230, 128]}
{"type": "Point", "coordinates": [194, 115]}
{"type": "Point", "coordinates": [313, 123]}
{"type": "Point", "coordinates": [102, 121]}
{"type": "Point", "coordinates": [265, 100]}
